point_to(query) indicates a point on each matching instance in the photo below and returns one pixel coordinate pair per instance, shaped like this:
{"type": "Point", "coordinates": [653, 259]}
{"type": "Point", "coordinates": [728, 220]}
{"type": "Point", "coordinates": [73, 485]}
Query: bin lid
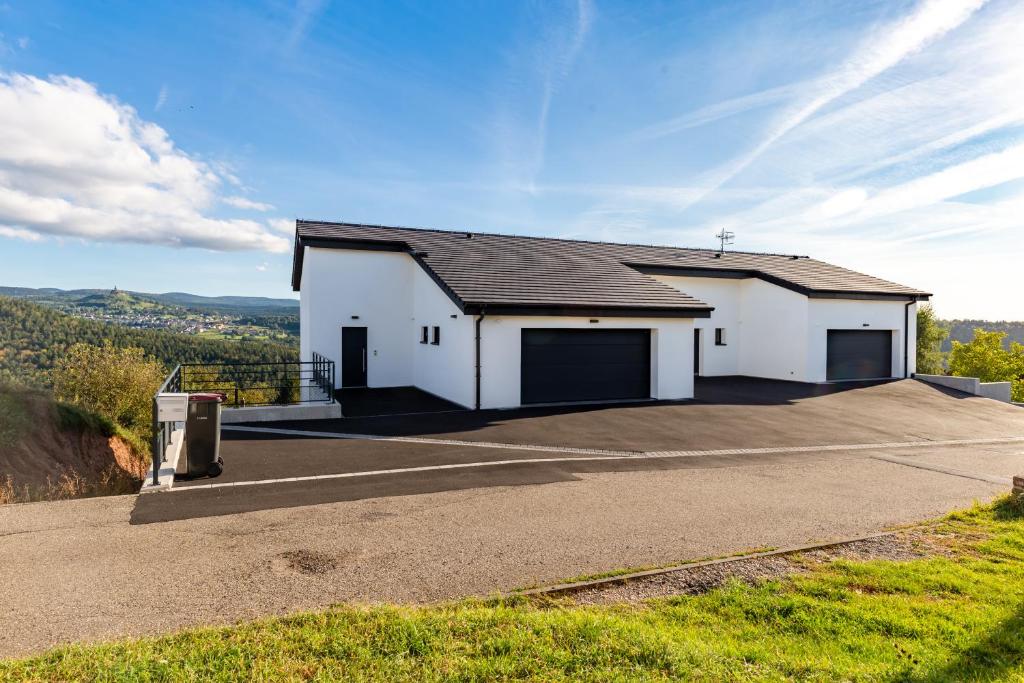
{"type": "Point", "coordinates": [207, 397]}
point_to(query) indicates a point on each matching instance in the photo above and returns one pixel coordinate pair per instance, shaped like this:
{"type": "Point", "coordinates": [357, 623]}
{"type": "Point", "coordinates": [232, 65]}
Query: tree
{"type": "Point", "coordinates": [985, 357]}
{"type": "Point", "coordinates": [930, 335]}
{"type": "Point", "coordinates": [117, 383]}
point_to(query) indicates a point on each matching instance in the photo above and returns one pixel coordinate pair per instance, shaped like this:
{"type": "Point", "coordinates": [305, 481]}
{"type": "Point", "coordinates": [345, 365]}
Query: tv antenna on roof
{"type": "Point", "coordinates": [724, 237]}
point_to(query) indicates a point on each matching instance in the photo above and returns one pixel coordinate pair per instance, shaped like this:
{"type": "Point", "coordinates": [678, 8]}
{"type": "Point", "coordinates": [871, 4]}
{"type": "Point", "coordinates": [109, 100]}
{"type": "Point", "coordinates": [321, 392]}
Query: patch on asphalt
{"type": "Point", "coordinates": [307, 562]}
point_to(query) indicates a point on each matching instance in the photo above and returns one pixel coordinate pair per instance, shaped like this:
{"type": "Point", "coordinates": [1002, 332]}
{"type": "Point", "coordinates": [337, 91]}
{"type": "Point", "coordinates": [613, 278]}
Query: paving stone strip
{"type": "Point", "coordinates": [694, 578]}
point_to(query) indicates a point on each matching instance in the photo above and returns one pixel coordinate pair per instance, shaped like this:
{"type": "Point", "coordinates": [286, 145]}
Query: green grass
{"type": "Point", "coordinates": [957, 618]}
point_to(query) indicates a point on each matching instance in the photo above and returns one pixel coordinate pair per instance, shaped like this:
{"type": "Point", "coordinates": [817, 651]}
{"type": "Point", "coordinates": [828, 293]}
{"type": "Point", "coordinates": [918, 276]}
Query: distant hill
{"type": "Point", "coordinates": [33, 337]}
{"type": "Point", "coordinates": [225, 304]}
{"type": "Point", "coordinates": [963, 330]}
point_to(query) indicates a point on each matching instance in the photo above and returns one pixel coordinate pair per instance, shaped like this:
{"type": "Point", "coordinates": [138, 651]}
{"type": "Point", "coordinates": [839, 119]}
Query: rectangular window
{"type": "Point", "coordinates": [719, 336]}
{"type": "Point", "coordinates": [437, 336]}
{"type": "Point", "coordinates": [423, 335]}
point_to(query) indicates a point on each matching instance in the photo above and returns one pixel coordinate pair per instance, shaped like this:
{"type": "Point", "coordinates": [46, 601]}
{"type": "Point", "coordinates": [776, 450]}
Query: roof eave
{"type": "Point", "coordinates": [586, 310]}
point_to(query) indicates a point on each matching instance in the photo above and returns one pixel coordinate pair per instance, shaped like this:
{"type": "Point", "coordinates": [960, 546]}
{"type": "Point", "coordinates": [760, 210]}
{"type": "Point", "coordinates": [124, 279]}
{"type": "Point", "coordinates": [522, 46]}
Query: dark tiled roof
{"type": "Point", "coordinates": [519, 271]}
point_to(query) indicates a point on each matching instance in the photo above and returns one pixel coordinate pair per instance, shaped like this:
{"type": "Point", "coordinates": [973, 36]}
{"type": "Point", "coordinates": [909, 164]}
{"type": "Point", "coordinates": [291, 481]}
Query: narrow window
{"type": "Point", "coordinates": [719, 336]}
{"type": "Point", "coordinates": [437, 336]}
{"type": "Point", "coordinates": [423, 335]}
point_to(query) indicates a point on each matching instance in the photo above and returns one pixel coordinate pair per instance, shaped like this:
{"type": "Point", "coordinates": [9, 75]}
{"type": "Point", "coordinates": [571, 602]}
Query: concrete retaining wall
{"type": "Point", "coordinates": [999, 391]}
{"type": "Point", "coordinates": [324, 411]}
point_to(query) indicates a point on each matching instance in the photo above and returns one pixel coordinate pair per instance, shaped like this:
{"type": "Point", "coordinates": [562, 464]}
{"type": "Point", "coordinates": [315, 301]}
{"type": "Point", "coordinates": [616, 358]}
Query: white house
{"type": "Point", "coordinates": [493, 321]}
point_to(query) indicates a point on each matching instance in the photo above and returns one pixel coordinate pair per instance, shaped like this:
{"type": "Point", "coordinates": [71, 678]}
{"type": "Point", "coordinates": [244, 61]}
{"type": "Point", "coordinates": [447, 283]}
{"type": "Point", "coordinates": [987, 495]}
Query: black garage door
{"type": "Point", "coordinates": [585, 365]}
{"type": "Point", "coordinates": [859, 354]}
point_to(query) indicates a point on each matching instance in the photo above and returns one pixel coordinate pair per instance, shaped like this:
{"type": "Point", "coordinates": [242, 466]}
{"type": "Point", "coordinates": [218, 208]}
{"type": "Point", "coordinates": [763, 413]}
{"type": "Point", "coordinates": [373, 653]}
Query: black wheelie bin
{"type": "Point", "coordinates": [202, 435]}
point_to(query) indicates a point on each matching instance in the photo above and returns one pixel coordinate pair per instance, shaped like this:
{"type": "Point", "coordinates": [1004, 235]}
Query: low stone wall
{"type": "Point", "coordinates": [999, 391]}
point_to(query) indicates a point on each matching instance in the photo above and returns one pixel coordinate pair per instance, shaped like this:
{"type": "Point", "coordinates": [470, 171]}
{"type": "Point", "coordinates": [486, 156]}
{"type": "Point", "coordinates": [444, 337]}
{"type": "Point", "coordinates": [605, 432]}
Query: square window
{"type": "Point", "coordinates": [423, 335]}
{"type": "Point", "coordinates": [437, 336]}
{"type": "Point", "coordinates": [719, 336]}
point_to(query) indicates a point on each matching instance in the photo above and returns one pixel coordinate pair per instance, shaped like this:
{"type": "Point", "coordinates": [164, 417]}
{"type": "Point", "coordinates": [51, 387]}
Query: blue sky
{"type": "Point", "coordinates": [170, 146]}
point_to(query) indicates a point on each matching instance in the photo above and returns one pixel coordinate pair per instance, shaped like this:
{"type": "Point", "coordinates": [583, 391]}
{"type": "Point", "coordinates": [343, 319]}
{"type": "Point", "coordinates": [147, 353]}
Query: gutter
{"type": "Point", "coordinates": [906, 337]}
{"type": "Point", "coordinates": [479, 320]}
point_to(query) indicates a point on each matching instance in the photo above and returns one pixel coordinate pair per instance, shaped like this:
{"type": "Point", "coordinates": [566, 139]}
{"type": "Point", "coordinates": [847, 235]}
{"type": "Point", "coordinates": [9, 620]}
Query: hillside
{"type": "Point", "coordinates": [33, 336]}
{"type": "Point", "coordinates": [251, 305]}
{"type": "Point", "coordinates": [230, 318]}
{"type": "Point", "coordinates": [963, 330]}
{"type": "Point", "coordinates": [53, 451]}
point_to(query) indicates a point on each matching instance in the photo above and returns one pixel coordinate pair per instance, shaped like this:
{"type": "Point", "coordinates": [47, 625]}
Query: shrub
{"type": "Point", "coordinates": [115, 383]}
{"type": "Point", "coordinates": [985, 357]}
{"type": "Point", "coordinates": [930, 335]}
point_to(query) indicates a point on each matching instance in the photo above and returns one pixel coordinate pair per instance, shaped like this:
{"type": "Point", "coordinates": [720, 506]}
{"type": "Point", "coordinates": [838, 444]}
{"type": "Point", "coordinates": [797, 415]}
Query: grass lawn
{"type": "Point", "coordinates": [944, 618]}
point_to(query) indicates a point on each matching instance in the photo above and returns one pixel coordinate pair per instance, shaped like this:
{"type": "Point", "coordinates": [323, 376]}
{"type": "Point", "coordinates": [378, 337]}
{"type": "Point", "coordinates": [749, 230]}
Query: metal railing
{"type": "Point", "coordinates": [244, 384]}
{"type": "Point", "coordinates": [263, 384]}
{"type": "Point", "coordinates": [163, 431]}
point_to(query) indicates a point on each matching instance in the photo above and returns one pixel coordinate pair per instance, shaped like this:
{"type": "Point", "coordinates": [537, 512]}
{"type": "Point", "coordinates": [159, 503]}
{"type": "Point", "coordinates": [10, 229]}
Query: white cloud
{"type": "Point", "coordinates": [263, 267]}
{"type": "Point", "coordinates": [76, 163]}
{"type": "Point", "coordinates": [248, 204]}
{"type": "Point", "coordinates": [284, 226]}
{"type": "Point", "coordinates": [18, 234]}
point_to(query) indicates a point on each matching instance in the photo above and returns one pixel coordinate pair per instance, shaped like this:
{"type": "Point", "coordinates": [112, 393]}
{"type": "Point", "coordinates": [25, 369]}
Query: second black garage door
{"type": "Point", "coordinates": [585, 365]}
{"type": "Point", "coordinates": [859, 354]}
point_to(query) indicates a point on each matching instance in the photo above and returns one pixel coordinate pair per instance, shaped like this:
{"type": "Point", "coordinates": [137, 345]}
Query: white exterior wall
{"type": "Point", "coordinates": [377, 286]}
{"type": "Point", "coordinates": [501, 353]}
{"type": "Point", "coordinates": [725, 295]}
{"type": "Point", "coordinates": [848, 314]}
{"type": "Point", "coordinates": [773, 331]}
{"type": "Point", "coordinates": [447, 369]}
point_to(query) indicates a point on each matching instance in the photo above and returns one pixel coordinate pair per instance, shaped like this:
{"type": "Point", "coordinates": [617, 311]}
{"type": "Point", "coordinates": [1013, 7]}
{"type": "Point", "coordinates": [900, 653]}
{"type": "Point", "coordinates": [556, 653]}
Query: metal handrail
{"type": "Point", "coordinates": [163, 431]}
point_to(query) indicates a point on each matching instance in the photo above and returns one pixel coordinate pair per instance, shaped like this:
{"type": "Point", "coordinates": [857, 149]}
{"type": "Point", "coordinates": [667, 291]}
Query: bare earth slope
{"type": "Point", "coordinates": [51, 451]}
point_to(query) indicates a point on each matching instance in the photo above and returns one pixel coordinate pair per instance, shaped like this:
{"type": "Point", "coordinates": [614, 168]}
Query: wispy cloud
{"type": "Point", "coordinates": [881, 51]}
{"type": "Point", "coordinates": [161, 98]}
{"type": "Point", "coordinates": [719, 111]}
{"type": "Point", "coordinates": [306, 12]}
{"type": "Point", "coordinates": [522, 121]}
{"type": "Point", "coordinates": [246, 204]}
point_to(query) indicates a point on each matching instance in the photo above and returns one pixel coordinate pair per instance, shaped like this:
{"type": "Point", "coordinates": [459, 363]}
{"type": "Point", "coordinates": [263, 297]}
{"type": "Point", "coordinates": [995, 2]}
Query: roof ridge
{"type": "Point", "coordinates": [546, 238]}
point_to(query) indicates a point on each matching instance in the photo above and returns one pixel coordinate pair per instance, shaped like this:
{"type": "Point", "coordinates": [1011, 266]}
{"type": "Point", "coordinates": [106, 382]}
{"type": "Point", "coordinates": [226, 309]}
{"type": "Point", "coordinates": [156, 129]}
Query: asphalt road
{"type": "Point", "coordinates": [132, 565]}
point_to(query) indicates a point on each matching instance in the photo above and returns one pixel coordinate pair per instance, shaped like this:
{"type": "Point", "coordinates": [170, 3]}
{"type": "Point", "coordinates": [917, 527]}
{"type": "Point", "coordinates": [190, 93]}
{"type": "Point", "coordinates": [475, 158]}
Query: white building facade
{"type": "Point", "coordinates": [389, 318]}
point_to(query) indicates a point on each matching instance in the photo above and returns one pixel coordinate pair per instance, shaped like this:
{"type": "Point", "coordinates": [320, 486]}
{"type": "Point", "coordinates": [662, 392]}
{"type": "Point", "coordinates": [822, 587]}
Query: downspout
{"type": "Point", "coordinates": [906, 338]}
{"type": "Point", "coordinates": [479, 319]}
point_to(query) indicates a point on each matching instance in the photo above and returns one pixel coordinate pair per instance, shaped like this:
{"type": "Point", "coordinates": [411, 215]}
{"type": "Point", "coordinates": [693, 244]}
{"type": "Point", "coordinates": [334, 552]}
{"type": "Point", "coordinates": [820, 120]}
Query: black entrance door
{"type": "Point", "coordinates": [696, 352]}
{"type": "Point", "coordinates": [585, 365]}
{"type": "Point", "coordinates": [858, 354]}
{"type": "Point", "coordinates": [353, 356]}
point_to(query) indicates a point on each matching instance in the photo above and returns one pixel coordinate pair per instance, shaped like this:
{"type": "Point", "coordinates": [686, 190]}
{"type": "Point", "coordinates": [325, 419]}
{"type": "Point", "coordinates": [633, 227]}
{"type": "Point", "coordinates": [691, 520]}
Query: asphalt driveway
{"type": "Point", "coordinates": [727, 413]}
{"type": "Point", "coordinates": [735, 422]}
